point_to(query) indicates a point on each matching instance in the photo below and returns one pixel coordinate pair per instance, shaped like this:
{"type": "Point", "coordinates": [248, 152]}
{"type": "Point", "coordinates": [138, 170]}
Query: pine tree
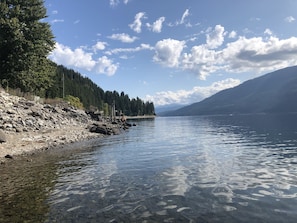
{"type": "Point", "coordinates": [25, 42]}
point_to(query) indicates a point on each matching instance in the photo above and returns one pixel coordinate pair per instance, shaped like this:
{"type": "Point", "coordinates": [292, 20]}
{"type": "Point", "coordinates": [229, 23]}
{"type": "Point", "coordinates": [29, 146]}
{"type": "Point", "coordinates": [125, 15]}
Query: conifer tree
{"type": "Point", "coordinates": [25, 42]}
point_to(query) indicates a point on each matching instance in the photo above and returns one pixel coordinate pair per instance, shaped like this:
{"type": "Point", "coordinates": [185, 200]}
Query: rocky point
{"type": "Point", "coordinates": [27, 125]}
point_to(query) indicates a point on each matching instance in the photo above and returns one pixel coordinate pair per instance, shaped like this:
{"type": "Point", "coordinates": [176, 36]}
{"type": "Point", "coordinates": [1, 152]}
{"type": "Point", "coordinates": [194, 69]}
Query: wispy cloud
{"type": "Point", "coordinates": [130, 50]}
{"type": "Point", "coordinates": [185, 15]}
{"type": "Point", "coordinates": [268, 32]}
{"type": "Point", "coordinates": [137, 23]}
{"type": "Point", "coordinates": [76, 21]}
{"type": "Point", "coordinates": [182, 20]}
{"type": "Point", "coordinates": [290, 19]}
{"type": "Point", "coordinates": [123, 37]}
{"type": "Point", "coordinates": [114, 3]}
{"type": "Point", "coordinates": [195, 94]}
{"type": "Point", "coordinates": [57, 21]}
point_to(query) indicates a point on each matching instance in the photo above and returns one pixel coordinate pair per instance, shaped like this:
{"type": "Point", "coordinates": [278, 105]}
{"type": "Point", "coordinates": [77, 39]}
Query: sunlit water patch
{"type": "Point", "coordinates": [175, 169]}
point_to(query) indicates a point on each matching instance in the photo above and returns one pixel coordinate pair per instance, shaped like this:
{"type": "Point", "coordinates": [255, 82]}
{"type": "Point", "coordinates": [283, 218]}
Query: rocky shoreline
{"type": "Point", "coordinates": [29, 126]}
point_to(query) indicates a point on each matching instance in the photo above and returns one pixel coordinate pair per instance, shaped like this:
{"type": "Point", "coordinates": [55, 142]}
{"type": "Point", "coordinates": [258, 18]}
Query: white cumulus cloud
{"type": "Point", "coordinates": [256, 54]}
{"type": "Point", "coordinates": [215, 38]}
{"type": "Point", "coordinates": [268, 32]}
{"type": "Point", "coordinates": [168, 51]}
{"type": "Point", "coordinates": [196, 94]}
{"type": "Point", "coordinates": [78, 58]}
{"type": "Point", "coordinates": [232, 34]}
{"type": "Point", "coordinates": [99, 46]}
{"type": "Point", "coordinates": [105, 66]}
{"type": "Point", "coordinates": [201, 61]}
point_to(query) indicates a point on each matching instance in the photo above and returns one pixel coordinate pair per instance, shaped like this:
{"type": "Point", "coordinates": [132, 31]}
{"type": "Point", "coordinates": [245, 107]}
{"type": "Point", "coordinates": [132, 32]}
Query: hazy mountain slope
{"type": "Point", "coordinates": [273, 92]}
{"type": "Point", "coordinates": [165, 108]}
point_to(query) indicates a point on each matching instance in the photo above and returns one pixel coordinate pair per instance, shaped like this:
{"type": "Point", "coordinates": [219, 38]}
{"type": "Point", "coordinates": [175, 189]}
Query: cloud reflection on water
{"type": "Point", "coordinates": [237, 160]}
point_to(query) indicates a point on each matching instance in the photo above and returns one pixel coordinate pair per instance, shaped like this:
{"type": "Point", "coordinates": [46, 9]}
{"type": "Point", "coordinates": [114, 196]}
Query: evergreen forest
{"type": "Point", "coordinates": [68, 82]}
{"type": "Point", "coordinates": [25, 43]}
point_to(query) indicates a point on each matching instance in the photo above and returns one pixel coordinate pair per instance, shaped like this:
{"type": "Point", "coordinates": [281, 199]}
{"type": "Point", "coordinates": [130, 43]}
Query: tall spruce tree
{"type": "Point", "coordinates": [25, 42]}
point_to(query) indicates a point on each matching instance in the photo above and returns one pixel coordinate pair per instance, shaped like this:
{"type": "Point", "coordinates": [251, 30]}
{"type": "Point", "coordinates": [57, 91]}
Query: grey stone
{"type": "Point", "coordinates": [2, 136]}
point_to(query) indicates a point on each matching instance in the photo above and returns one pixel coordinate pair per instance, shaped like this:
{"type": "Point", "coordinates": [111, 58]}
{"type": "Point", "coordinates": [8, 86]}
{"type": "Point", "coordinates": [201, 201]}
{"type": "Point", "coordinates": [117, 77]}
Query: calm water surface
{"type": "Point", "coordinates": [171, 169]}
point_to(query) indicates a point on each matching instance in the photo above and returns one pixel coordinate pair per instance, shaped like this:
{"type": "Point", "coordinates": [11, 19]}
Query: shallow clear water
{"type": "Point", "coordinates": [171, 169]}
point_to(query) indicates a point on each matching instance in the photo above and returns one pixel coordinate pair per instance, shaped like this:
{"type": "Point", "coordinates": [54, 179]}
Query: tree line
{"type": "Point", "coordinates": [25, 43]}
{"type": "Point", "coordinates": [70, 82]}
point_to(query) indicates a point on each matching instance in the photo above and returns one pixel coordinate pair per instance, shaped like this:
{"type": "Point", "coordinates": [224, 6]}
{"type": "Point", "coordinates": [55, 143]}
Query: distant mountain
{"type": "Point", "coordinates": [275, 92]}
{"type": "Point", "coordinates": [165, 108]}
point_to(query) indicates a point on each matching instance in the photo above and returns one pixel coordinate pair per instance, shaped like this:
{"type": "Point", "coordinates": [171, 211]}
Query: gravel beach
{"type": "Point", "coordinates": [28, 126]}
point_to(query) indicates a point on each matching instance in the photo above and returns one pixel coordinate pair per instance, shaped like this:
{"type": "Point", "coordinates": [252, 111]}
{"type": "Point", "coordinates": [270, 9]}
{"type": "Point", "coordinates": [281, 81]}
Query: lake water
{"type": "Point", "coordinates": [171, 169]}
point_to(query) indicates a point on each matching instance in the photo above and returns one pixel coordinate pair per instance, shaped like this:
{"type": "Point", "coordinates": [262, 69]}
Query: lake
{"type": "Point", "coordinates": [239, 168]}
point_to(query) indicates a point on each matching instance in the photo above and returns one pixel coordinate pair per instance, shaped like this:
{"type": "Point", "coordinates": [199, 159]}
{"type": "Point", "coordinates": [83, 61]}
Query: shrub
{"type": "Point", "coordinates": [74, 101]}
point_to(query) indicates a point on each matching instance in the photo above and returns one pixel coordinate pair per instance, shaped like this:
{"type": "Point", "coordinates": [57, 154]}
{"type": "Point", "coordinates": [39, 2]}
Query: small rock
{"type": "Point", "coordinates": [8, 156]}
{"type": "Point", "coordinates": [17, 129]}
{"type": "Point", "coordinates": [10, 112]}
{"type": "Point", "coordinates": [8, 126]}
{"type": "Point", "coordinates": [35, 112]}
{"type": "Point", "coordinates": [2, 136]}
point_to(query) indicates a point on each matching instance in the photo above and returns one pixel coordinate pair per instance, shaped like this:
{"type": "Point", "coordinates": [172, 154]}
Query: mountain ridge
{"type": "Point", "coordinates": [275, 92]}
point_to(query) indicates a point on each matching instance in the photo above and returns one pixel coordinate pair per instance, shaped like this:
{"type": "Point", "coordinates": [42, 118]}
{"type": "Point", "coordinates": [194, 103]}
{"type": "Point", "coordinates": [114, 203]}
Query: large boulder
{"type": "Point", "coordinates": [104, 129]}
{"type": "Point", "coordinates": [98, 129]}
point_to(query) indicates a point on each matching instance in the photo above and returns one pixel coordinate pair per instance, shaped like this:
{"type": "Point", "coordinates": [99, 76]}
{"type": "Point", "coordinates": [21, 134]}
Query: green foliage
{"type": "Point", "coordinates": [92, 96]}
{"type": "Point", "coordinates": [74, 101]}
{"type": "Point", "coordinates": [106, 109]}
{"type": "Point", "coordinates": [25, 42]}
{"type": "Point", "coordinates": [73, 83]}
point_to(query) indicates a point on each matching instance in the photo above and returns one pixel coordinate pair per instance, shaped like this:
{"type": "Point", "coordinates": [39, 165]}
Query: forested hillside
{"type": "Point", "coordinates": [25, 43]}
{"type": "Point", "coordinates": [94, 97]}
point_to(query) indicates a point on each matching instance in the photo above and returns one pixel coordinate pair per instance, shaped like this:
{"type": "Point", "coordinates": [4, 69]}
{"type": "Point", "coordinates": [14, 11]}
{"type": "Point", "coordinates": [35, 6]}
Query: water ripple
{"type": "Point", "coordinates": [189, 169]}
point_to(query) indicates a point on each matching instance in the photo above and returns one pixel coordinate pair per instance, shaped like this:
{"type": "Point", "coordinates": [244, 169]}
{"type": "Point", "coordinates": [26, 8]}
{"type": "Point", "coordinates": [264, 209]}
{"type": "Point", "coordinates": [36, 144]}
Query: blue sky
{"type": "Point", "coordinates": [172, 51]}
